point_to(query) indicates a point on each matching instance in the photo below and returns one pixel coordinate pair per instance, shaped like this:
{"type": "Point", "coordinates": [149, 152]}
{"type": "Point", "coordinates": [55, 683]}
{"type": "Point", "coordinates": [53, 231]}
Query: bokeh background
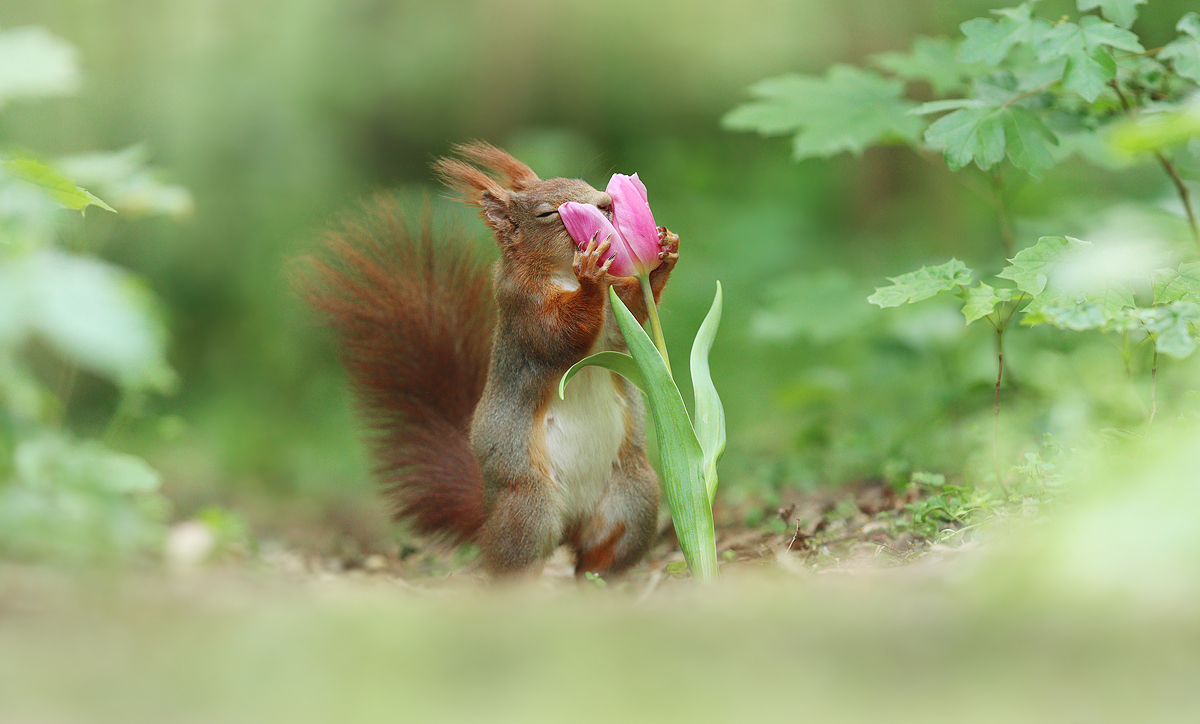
{"type": "Point", "coordinates": [279, 115]}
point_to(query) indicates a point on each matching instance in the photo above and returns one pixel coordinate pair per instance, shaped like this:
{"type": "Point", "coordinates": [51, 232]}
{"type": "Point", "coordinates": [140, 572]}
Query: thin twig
{"type": "Point", "coordinates": [1182, 189]}
{"type": "Point", "coordinates": [1152, 51]}
{"type": "Point", "coordinates": [1028, 93]}
{"type": "Point", "coordinates": [1153, 390]}
{"type": "Point", "coordinates": [1014, 309]}
{"type": "Point", "coordinates": [1169, 167]}
{"type": "Point", "coordinates": [792, 542]}
{"type": "Point", "coordinates": [996, 407]}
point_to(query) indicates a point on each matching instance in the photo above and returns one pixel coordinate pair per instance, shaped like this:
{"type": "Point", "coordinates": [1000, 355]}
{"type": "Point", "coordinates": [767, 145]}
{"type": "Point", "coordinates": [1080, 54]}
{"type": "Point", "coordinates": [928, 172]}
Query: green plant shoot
{"type": "Point", "coordinates": [689, 448]}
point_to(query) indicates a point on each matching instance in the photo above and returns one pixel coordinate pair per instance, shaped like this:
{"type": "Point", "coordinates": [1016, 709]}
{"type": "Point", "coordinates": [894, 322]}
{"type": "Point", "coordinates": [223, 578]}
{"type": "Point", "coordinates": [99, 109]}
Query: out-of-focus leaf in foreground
{"type": "Point", "coordinates": [78, 502]}
{"type": "Point", "coordinates": [95, 314]}
{"type": "Point", "coordinates": [34, 63]}
{"type": "Point", "coordinates": [54, 184]}
{"type": "Point", "coordinates": [128, 183]}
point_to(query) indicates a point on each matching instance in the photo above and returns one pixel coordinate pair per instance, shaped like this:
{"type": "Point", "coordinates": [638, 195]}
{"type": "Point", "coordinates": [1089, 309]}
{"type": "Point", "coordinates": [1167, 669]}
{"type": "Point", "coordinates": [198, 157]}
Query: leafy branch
{"type": "Point", "coordinates": [1014, 96]}
{"type": "Point", "coordinates": [1015, 85]}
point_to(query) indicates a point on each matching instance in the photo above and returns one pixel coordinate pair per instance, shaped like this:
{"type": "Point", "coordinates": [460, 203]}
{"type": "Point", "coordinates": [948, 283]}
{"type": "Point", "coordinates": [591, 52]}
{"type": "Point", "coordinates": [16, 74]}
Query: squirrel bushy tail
{"type": "Point", "coordinates": [414, 313]}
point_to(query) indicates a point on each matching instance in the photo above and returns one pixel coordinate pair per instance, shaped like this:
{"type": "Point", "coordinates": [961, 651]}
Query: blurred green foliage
{"type": "Point", "coordinates": [63, 311]}
{"type": "Point", "coordinates": [1037, 89]}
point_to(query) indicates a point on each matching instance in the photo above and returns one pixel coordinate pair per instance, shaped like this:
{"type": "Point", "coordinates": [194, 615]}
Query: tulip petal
{"type": "Point", "coordinates": [634, 221]}
{"type": "Point", "coordinates": [585, 222]}
{"type": "Point", "coordinates": [641, 187]}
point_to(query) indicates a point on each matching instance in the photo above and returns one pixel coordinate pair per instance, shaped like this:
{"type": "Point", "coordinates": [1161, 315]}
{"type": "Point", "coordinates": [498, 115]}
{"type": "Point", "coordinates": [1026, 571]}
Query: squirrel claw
{"type": "Point", "coordinates": [590, 264]}
{"type": "Point", "coordinates": [668, 240]}
{"type": "Point", "coordinates": [668, 250]}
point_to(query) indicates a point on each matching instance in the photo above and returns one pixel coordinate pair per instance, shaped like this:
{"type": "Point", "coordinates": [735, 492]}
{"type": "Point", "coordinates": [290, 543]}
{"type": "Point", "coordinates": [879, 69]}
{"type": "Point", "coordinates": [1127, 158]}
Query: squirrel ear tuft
{"type": "Point", "coordinates": [476, 186]}
{"type": "Point", "coordinates": [465, 179]}
{"type": "Point", "coordinates": [517, 176]}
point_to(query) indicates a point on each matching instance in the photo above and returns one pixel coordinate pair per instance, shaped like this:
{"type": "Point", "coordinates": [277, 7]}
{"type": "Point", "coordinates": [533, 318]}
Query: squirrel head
{"type": "Point", "coordinates": [520, 208]}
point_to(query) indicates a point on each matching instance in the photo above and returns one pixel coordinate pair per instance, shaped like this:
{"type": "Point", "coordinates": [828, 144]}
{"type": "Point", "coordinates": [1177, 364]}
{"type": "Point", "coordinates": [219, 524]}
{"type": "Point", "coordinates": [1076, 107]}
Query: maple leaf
{"type": "Point", "coordinates": [847, 110]}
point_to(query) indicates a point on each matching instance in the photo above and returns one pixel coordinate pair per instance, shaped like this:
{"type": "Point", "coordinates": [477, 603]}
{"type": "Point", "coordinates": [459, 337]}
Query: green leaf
{"type": "Point", "coordinates": [1117, 298]}
{"type": "Point", "coordinates": [1031, 267]}
{"type": "Point", "coordinates": [1090, 65]}
{"type": "Point", "coordinates": [51, 462]}
{"type": "Point", "coordinates": [970, 134]}
{"type": "Point", "coordinates": [1172, 326]}
{"type": "Point", "coordinates": [1184, 53]}
{"type": "Point", "coordinates": [1171, 285]}
{"type": "Point", "coordinates": [1099, 32]}
{"type": "Point", "coordinates": [127, 182]}
{"type": "Point", "coordinates": [34, 63]}
{"type": "Point", "coordinates": [922, 284]}
{"type": "Point", "coordinates": [982, 300]}
{"type": "Point", "coordinates": [1088, 74]}
{"type": "Point", "coordinates": [1039, 77]}
{"type": "Point", "coordinates": [618, 362]}
{"type": "Point", "coordinates": [1121, 12]}
{"type": "Point", "coordinates": [1080, 316]}
{"type": "Point", "coordinates": [1189, 25]}
{"type": "Point", "coordinates": [933, 60]}
{"type": "Point", "coordinates": [710, 413]}
{"type": "Point", "coordinates": [78, 502]}
{"type": "Point", "coordinates": [683, 478]}
{"type": "Point", "coordinates": [1063, 40]}
{"type": "Point", "coordinates": [1028, 140]}
{"type": "Point", "coordinates": [848, 110]}
{"type": "Point", "coordinates": [54, 184]}
{"type": "Point", "coordinates": [94, 314]}
{"type": "Point", "coordinates": [1079, 311]}
{"type": "Point", "coordinates": [989, 41]}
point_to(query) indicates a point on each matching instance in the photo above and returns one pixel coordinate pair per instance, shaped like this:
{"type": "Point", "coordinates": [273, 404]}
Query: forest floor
{"type": "Point", "coordinates": [829, 608]}
{"type": "Point", "coordinates": [853, 528]}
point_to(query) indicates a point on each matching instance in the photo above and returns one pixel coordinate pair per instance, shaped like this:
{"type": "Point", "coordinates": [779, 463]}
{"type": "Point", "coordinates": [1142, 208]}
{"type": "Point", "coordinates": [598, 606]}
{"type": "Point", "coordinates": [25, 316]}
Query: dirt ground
{"type": "Point", "coordinates": [851, 528]}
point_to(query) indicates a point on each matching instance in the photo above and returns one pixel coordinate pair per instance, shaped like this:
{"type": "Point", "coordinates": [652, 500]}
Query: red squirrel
{"type": "Point", "coordinates": [457, 370]}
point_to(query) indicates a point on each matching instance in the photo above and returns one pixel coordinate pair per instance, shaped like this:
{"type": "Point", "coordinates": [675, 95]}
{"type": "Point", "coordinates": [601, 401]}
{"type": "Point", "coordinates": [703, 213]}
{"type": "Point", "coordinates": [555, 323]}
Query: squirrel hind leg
{"type": "Point", "coordinates": [522, 529]}
{"type": "Point", "coordinates": [621, 532]}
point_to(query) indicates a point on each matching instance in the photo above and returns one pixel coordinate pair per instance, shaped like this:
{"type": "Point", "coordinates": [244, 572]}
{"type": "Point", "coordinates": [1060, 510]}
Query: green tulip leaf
{"type": "Point", "coordinates": [618, 362]}
{"type": "Point", "coordinates": [710, 414]}
{"type": "Point", "coordinates": [680, 451]}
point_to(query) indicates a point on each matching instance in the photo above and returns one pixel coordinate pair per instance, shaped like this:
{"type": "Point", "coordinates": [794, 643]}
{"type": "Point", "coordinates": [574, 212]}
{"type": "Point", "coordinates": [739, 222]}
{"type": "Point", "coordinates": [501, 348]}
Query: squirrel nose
{"type": "Point", "coordinates": [604, 202]}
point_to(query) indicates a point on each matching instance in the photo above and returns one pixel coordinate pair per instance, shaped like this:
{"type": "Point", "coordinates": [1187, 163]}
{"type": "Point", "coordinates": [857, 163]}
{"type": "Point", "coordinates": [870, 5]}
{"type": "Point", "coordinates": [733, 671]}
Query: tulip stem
{"type": "Point", "coordinates": [655, 325]}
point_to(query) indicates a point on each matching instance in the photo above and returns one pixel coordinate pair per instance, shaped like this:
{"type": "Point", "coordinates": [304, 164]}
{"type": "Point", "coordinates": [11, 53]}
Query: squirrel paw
{"type": "Point", "coordinates": [590, 266]}
{"type": "Point", "coordinates": [668, 243]}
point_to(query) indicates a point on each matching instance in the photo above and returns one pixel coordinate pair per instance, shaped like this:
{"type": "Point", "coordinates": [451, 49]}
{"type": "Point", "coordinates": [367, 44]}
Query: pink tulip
{"type": "Point", "coordinates": [632, 235]}
{"type": "Point", "coordinates": [634, 221]}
